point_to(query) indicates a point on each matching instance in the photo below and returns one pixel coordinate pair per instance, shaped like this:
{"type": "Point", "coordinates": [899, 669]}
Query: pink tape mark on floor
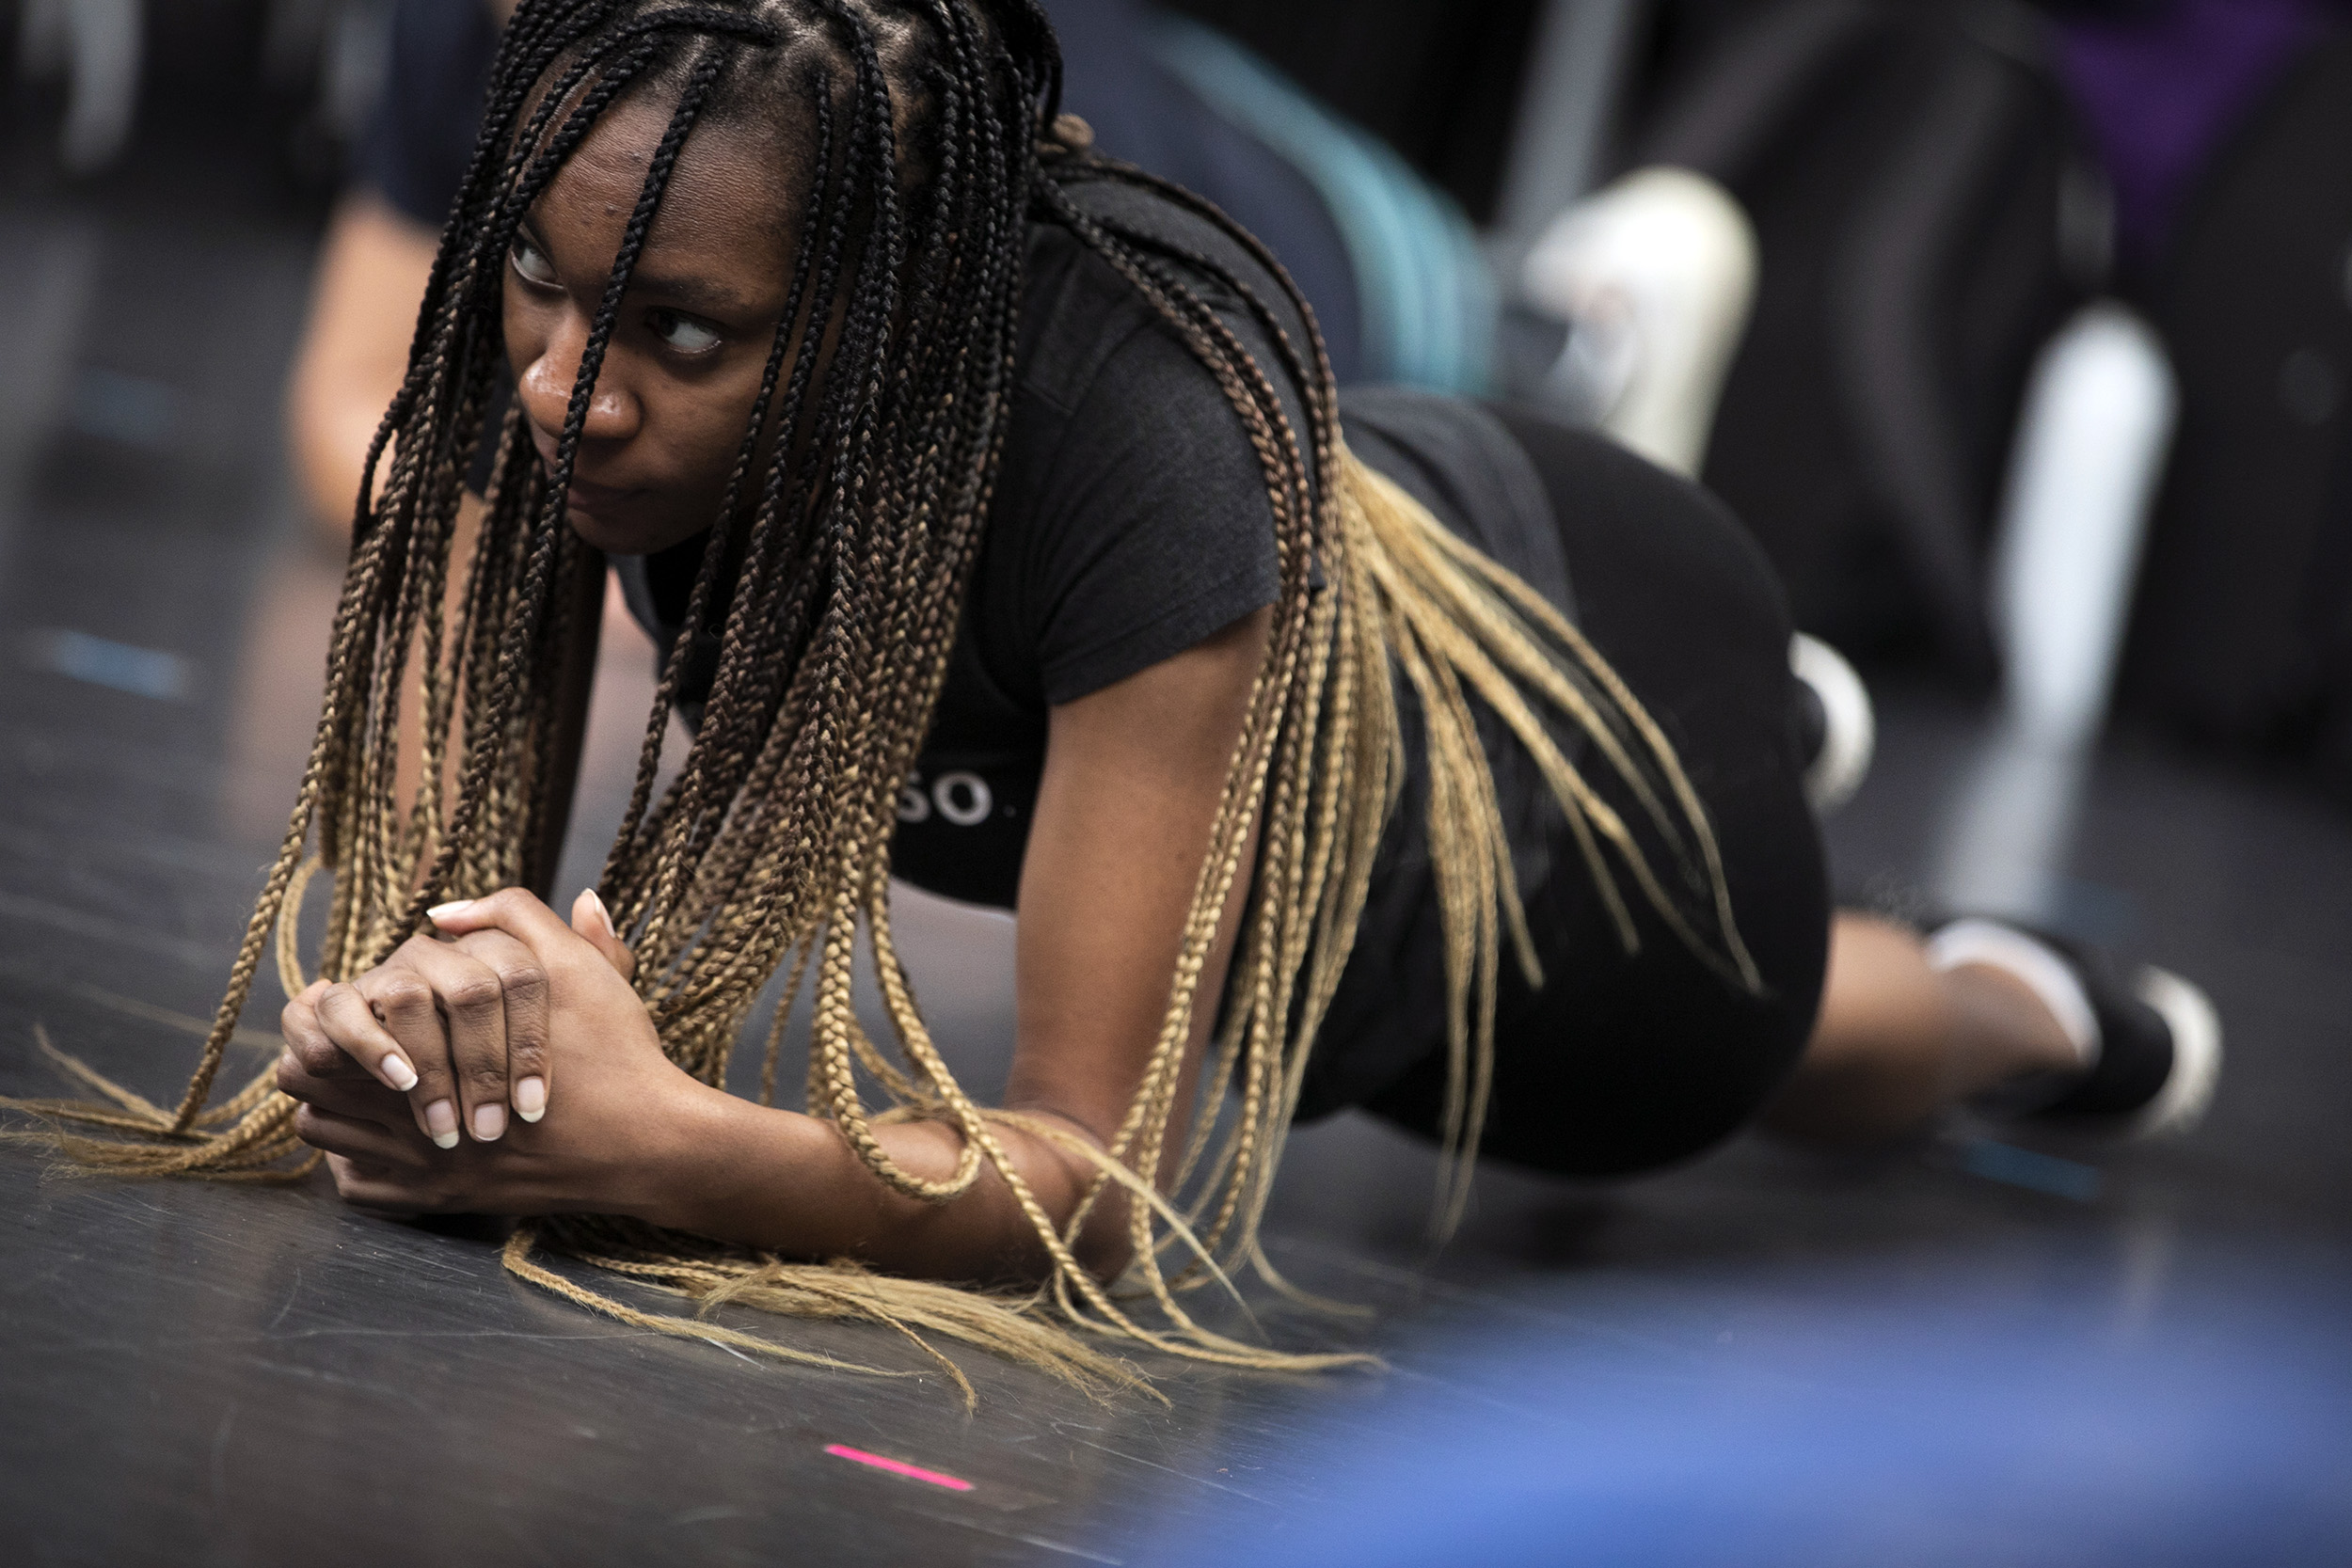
{"type": "Point", "coordinates": [899, 1468]}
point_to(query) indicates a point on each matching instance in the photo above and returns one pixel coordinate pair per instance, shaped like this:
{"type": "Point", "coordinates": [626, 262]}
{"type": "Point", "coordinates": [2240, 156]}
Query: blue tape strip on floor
{"type": "Point", "coordinates": [2022, 1167]}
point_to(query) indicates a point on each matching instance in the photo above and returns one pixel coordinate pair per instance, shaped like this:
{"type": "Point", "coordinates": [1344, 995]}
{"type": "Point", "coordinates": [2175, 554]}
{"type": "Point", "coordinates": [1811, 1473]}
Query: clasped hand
{"type": "Point", "coordinates": [407, 1075]}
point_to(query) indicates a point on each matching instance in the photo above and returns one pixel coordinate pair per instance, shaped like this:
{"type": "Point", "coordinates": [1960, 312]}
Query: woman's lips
{"type": "Point", "coordinates": [584, 494]}
{"type": "Point", "coordinates": [592, 497]}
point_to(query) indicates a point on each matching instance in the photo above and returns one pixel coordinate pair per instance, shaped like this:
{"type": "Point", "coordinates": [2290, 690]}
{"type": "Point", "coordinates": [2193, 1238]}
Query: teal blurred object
{"type": "Point", "coordinates": [1429, 303]}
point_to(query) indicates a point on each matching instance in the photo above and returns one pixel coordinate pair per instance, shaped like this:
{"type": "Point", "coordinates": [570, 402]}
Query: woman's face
{"type": "Point", "coordinates": [674, 396]}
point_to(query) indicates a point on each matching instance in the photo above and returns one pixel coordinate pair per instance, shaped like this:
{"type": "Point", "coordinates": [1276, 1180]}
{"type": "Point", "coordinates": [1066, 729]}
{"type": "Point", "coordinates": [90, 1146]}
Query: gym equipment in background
{"type": "Point", "coordinates": [2091, 445]}
{"type": "Point", "coordinates": [1427, 303]}
{"type": "Point", "coordinates": [98, 47]}
{"type": "Point", "coordinates": [1923, 221]}
{"type": "Point", "coordinates": [1653, 278]}
{"type": "Point", "coordinates": [325, 59]}
{"type": "Point", "coordinates": [2242, 633]}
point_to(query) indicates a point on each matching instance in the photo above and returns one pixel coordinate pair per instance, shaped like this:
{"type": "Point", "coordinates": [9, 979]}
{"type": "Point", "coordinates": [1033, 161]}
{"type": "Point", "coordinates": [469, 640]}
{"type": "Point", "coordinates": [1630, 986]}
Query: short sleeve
{"type": "Point", "coordinates": [420, 136]}
{"type": "Point", "coordinates": [1131, 519]}
{"type": "Point", "coordinates": [1154, 530]}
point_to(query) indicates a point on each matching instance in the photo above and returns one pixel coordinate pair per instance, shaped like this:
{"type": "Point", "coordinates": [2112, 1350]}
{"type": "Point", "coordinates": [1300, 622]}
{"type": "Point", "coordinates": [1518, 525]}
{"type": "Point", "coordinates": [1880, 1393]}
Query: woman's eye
{"type": "Point", "coordinates": [683, 334]}
{"type": "Point", "coordinates": [530, 264]}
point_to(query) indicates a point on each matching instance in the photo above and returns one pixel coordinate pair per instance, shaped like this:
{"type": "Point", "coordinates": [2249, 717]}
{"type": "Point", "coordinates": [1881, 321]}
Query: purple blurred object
{"type": "Point", "coordinates": [2160, 93]}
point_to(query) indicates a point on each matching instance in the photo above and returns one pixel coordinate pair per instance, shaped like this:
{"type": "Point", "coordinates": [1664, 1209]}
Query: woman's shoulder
{"type": "Point", "coordinates": [1167, 220]}
{"type": "Point", "coordinates": [1080, 311]}
{"type": "Point", "coordinates": [1130, 517]}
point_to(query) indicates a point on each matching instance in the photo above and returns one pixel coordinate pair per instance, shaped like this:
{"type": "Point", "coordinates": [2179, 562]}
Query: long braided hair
{"type": "Point", "coordinates": [928, 137]}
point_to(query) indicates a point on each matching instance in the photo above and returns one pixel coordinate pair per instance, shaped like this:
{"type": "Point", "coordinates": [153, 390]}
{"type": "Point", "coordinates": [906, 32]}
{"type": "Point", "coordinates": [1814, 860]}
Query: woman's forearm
{"type": "Point", "coordinates": [791, 1185]}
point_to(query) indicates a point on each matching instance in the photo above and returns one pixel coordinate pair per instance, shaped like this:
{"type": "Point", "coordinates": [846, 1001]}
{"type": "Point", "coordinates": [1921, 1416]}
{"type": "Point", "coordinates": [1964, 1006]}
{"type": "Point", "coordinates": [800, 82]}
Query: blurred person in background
{"type": "Point", "coordinates": [380, 241]}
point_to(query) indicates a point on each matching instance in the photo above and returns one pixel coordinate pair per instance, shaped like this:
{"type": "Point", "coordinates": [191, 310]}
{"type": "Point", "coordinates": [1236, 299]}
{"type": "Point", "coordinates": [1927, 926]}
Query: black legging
{"type": "Point", "coordinates": [1620, 1063]}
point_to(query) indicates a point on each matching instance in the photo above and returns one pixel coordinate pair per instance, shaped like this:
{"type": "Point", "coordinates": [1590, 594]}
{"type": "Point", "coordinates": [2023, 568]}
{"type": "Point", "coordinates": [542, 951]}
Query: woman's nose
{"type": "Point", "coordinates": [546, 390]}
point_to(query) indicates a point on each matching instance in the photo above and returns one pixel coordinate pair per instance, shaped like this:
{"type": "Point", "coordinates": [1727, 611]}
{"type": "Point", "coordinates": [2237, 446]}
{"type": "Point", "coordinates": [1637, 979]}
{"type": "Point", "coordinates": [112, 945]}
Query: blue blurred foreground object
{"type": "Point", "coordinates": [2215, 1429]}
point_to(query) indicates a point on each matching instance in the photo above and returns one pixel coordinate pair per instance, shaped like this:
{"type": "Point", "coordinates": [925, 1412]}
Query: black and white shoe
{"type": "Point", "coordinates": [1837, 727]}
{"type": "Point", "coordinates": [2151, 1042]}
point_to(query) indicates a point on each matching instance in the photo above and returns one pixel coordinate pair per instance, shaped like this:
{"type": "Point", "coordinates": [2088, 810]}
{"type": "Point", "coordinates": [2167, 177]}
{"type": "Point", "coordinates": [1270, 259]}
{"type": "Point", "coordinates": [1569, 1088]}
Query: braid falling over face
{"type": "Point", "coordinates": [833, 582]}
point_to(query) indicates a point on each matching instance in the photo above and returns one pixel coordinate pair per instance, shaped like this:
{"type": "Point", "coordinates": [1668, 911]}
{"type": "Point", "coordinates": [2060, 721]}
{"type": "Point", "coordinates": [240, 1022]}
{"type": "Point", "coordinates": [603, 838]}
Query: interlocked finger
{"type": "Point", "coordinates": [404, 1006]}
{"type": "Point", "coordinates": [350, 1092]}
{"type": "Point", "coordinates": [469, 1007]}
{"type": "Point", "coordinates": [368, 1143]}
{"type": "Point", "coordinates": [519, 1076]}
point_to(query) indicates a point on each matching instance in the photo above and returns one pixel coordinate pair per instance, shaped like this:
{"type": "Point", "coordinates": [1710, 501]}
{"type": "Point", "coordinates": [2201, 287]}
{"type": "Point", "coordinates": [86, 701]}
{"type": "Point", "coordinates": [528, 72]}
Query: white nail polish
{"type": "Point", "coordinates": [604, 914]}
{"type": "Point", "coordinates": [531, 1098]}
{"type": "Point", "coordinates": [440, 1123]}
{"type": "Point", "coordinates": [455, 906]}
{"type": "Point", "coordinates": [398, 1073]}
{"type": "Point", "coordinates": [489, 1122]}
{"type": "Point", "coordinates": [445, 1140]}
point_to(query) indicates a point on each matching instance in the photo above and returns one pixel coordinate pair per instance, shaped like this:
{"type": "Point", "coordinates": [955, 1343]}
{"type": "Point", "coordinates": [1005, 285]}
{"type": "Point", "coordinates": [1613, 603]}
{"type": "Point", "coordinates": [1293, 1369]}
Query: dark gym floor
{"type": "Point", "coordinates": [213, 1374]}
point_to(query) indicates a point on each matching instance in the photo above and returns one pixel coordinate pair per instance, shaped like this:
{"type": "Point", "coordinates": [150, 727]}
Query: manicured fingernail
{"type": "Point", "coordinates": [455, 906]}
{"type": "Point", "coordinates": [602, 913]}
{"type": "Point", "coordinates": [489, 1122]}
{"type": "Point", "coordinates": [397, 1072]}
{"type": "Point", "coordinates": [441, 1120]}
{"type": "Point", "coordinates": [531, 1098]}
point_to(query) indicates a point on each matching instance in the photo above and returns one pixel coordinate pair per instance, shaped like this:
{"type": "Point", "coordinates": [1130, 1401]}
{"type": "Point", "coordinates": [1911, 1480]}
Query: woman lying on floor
{"type": "Point", "coordinates": [1006, 534]}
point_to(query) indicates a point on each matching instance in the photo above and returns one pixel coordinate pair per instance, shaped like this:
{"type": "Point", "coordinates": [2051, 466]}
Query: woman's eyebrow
{"type": "Point", "coordinates": [695, 292]}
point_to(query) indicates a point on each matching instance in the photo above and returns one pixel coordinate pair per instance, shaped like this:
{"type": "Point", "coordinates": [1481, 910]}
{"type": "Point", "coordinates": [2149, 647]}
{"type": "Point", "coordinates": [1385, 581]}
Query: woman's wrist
{"type": "Point", "coordinates": [678, 1140]}
{"type": "Point", "coordinates": [718, 1163]}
